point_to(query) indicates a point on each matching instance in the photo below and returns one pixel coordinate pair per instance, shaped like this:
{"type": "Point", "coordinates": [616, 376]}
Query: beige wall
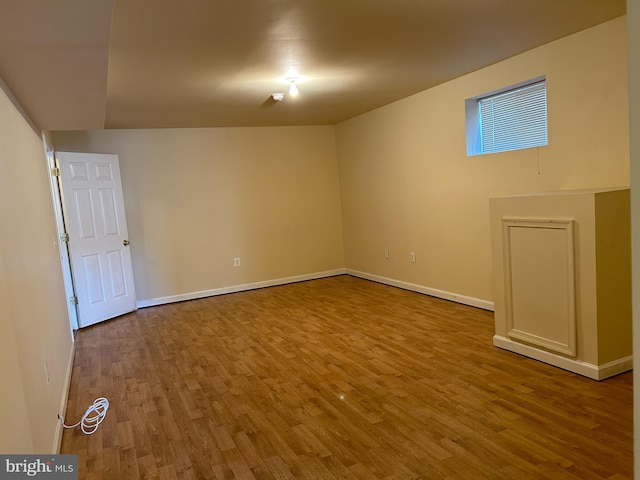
{"type": "Point", "coordinates": [34, 326]}
{"type": "Point", "coordinates": [197, 198]}
{"type": "Point", "coordinates": [407, 184]}
{"type": "Point", "coordinates": [13, 410]}
{"type": "Point", "coordinates": [613, 273]}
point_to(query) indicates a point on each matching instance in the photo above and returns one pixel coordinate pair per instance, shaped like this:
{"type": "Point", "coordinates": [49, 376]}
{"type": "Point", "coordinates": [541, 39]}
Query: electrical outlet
{"type": "Point", "coordinates": [412, 257]}
{"type": "Point", "coordinates": [236, 262]}
{"type": "Point", "coordinates": [386, 253]}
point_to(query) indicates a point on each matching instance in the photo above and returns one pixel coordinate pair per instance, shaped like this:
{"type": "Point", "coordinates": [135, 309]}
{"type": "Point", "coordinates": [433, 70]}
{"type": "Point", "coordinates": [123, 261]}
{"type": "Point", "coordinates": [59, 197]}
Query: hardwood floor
{"type": "Point", "coordinates": [335, 378]}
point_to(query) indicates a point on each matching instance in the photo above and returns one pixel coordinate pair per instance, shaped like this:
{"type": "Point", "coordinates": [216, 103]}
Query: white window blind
{"type": "Point", "coordinates": [514, 119]}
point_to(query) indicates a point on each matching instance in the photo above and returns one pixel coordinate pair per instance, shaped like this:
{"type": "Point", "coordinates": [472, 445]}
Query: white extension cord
{"type": "Point", "coordinates": [92, 417]}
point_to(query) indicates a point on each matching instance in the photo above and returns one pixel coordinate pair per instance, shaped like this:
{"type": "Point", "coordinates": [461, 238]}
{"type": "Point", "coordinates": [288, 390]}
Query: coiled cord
{"type": "Point", "coordinates": [92, 418]}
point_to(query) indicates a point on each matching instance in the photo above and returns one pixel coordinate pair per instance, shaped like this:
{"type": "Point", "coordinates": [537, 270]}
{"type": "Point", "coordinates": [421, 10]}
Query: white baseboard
{"type": "Point", "coordinates": [596, 372]}
{"type": "Point", "coordinates": [463, 299]}
{"type": "Point", "coordinates": [57, 438]}
{"type": "Point", "coordinates": [237, 288]}
{"type": "Point", "coordinates": [615, 367]}
{"type": "Point", "coordinates": [454, 297]}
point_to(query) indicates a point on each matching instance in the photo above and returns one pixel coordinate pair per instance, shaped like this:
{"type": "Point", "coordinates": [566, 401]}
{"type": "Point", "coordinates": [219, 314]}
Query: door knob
{"type": "Point", "coordinates": [125, 242]}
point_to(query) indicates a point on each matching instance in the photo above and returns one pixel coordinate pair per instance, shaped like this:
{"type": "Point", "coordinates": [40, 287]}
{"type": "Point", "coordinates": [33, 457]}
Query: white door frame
{"type": "Point", "coordinates": [65, 261]}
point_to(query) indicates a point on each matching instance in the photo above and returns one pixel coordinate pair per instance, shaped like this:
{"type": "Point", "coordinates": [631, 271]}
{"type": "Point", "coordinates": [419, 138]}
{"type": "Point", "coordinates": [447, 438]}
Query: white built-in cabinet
{"type": "Point", "coordinates": [562, 278]}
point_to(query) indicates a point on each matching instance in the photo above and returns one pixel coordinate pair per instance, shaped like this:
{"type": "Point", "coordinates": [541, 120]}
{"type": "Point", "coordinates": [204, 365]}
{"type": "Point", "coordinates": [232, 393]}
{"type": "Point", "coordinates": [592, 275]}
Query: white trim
{"type": "Point", "coordinates": [568, 345]}
{"type": "Point", "coordinates": [237, 288]}
{"type": "Point", "coordinates": [615, 367]}
{"type": "Point", "coordinates": [596, 372]}
{"type": "Point", "coordinates": [57, 437]}
{"type": "Point", "coordinates": [63, 248]}
{"type": "Point", "coordinates": [454, 297]}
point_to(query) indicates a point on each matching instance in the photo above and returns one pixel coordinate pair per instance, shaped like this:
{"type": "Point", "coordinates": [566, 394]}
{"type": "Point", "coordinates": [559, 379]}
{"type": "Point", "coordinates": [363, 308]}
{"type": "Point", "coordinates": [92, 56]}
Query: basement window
{"type": "Point", "coordinates": [508, 119]}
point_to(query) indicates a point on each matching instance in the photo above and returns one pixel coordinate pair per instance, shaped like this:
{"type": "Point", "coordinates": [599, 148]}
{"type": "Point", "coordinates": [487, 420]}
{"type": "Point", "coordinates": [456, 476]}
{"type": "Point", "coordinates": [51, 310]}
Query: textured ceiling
{"type": "Point", "coordinates": [78, 64]}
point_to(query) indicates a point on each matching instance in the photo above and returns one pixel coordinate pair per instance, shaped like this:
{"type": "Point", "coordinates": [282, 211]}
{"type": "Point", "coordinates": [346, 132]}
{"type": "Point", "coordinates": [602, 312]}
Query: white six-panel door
{"type": "Point", "coordinates": [95, 220]}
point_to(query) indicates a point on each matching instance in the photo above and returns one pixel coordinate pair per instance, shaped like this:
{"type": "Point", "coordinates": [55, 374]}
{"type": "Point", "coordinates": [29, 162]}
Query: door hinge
{"type": "Point", "coordinates": [64, 237]}
{"type": "Point", "coordinates": [73, 300]}
{"type": "Point", "coordinates": [55, 172]}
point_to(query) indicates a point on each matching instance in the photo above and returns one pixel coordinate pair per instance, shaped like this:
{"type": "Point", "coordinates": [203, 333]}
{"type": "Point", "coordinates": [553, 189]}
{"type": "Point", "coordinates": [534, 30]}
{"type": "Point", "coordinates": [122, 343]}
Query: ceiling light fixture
{"type": "Point", "coordinates": [293, 89]}
{"type": "Point", "coordinates": [277, 96]}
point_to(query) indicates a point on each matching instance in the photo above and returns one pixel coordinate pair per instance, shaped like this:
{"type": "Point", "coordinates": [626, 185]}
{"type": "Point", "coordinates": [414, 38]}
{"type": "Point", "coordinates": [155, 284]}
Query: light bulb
{"type": "Point", "coordinates": [293, 89]}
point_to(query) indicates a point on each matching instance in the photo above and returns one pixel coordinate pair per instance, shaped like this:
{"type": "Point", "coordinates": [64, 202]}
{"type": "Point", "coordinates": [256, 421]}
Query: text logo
{"type": "Point", "coordinates": [50, 467]}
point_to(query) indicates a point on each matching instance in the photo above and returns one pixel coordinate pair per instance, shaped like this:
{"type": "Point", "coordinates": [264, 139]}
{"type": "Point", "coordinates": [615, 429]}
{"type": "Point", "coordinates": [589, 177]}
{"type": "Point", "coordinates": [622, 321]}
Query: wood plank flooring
{"type": "Point", "coordinates": [335, 378]}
